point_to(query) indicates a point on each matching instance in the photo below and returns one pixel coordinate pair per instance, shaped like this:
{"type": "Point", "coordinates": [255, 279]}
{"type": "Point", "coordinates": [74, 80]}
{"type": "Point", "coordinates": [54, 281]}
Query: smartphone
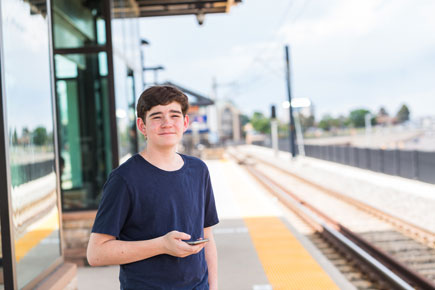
{"type": "Point", "coordinates": [197, 242]}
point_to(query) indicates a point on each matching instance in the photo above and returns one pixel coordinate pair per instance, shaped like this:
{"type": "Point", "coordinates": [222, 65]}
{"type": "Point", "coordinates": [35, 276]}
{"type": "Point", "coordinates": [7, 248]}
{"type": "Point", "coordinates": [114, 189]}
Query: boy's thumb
{"type": "Point", "coordinates": [182, 236]}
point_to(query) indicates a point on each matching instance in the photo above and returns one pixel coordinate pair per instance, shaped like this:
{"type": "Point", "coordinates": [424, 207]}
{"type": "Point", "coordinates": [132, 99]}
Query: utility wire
{"type": "Point", "coordinates": [276, 27]}
{"type": "Point", "coordinates": [249, 81]}
{"type": "Point", "coordinates": [265, 62]}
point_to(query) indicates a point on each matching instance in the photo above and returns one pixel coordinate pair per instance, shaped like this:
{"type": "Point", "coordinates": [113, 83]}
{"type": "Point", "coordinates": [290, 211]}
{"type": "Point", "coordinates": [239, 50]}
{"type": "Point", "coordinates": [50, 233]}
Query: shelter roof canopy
{"type": "Point", "coordinates": [195, 99]}
{"type": "Point", "coordinates": [149, 8]}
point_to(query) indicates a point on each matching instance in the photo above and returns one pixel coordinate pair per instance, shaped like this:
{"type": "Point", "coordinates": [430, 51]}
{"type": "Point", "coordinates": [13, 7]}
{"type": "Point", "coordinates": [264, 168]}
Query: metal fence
{"type": "Point", "coordinates": [419, 165]}
{"type": "Point", "coordinates": [22, 173]}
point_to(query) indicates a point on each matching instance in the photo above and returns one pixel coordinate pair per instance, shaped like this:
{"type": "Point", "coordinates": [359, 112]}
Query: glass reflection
{"type": "Point", "coordinates": [84, 127]}
{"type": "Point", "coordinates": [31, 140]}
{"type": "Point", "coordinates": [125, 109]}
{"type": "Point", "coordinates": [78, 23]}
{"type": "Point", "coordinates": [127, 76]}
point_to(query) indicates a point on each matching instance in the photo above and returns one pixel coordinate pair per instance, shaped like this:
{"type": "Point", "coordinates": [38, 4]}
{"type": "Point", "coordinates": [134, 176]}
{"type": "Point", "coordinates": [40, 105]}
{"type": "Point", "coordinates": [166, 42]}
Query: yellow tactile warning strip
{"type": "Point", "coordinates": [287, 264]}
{"type": "Point", "coordinates": [24, 244]}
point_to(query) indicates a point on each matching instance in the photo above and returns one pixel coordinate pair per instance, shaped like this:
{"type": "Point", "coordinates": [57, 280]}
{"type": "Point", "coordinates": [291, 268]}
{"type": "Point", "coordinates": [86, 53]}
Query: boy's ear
{"type": "Point", "coordinates": [186, 122]}
{"type": "Point", "coordinates": [141, 126]}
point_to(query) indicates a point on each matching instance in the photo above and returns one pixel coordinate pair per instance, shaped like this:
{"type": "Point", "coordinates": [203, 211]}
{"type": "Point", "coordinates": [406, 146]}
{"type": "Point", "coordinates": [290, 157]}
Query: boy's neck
{"type": "Point", "coordinates": [167, 160]}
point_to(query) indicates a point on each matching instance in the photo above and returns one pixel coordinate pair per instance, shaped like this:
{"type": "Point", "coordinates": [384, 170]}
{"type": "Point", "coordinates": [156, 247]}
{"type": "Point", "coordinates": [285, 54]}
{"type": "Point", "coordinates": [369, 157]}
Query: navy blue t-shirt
{"type": "Point", "coordinates": [142, 202]}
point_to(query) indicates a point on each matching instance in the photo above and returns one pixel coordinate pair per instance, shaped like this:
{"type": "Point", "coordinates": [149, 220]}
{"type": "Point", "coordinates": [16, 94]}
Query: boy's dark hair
{"type": "Point", "coordinates": [160, 95]}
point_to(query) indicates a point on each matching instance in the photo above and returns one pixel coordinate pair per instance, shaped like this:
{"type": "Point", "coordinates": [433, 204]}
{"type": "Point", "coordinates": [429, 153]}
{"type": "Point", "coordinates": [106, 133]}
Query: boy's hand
{"type": "Point", "coordinates": [175, 246]}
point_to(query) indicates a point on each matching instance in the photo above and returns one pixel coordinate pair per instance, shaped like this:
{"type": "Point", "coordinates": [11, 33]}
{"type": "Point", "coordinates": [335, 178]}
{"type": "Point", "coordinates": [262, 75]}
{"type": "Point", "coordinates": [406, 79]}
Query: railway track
{"type": "Point", "coordinates": [392, 252]}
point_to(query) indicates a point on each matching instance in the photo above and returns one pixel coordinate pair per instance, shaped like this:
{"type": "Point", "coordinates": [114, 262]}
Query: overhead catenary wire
{"type": "Point", "coordinates": [276, 70]}
{"type": "Point", "coordinates": [277, 26]}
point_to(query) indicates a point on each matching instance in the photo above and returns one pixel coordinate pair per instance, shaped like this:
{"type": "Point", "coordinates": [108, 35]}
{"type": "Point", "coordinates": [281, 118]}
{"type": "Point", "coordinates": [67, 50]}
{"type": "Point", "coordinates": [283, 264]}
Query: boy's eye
{"type": "Point", "coordinates": [175, 116]}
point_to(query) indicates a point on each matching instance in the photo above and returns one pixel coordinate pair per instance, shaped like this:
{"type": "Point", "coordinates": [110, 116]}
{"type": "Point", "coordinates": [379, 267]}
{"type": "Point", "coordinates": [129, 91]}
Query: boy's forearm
{"type": "Point", "coordinates": [212, 261]}
{"type": "Point", "coordinates": [107, 250]}
{"type": "Point", "coordinates": [116, 252]}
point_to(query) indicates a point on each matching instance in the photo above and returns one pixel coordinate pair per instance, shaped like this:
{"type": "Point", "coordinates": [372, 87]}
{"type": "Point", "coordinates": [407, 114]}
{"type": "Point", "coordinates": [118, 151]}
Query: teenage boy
{"type": "Point", "coordinates": [155, 202]}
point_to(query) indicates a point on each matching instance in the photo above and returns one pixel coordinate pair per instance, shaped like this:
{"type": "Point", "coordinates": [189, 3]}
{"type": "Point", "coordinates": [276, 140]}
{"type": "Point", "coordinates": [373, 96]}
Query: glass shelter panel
{"type": "Point", "coordinates": [78, 23]}
{"type": "Point", "coordinates": [29, 118]}
{"type": "Point", "coordinates": [125, 109]}
{"type": "Point", "coordinates": [84, 127]}
{"type": "Point", "coordinates": [128, 78]}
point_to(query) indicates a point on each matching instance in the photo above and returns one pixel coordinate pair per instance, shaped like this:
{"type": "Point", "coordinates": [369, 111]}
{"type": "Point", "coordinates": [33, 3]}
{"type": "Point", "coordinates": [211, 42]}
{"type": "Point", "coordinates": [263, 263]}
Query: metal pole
{"type": "Point", "coordinates": [274, 129]}
{"type": "Point", "coordinates": [142, 66]}
{"type": "Point", "coordinates": [7, 233]}
{"type": "Point", "coordinates": [215, 110]}
{"type": "Point", "coordinates": [111, 86]}
{"type": "Point", "coordinates": [143, 43]}
{"type": "Point", "coordinates": [299, 135]}
{"type": "Point", "coordinates": [292, 121]}
{"type": "Point", "coordinates": [274, 133]}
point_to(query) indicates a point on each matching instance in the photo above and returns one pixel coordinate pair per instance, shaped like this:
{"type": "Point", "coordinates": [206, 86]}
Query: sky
{"type": "Point", "coordinates": [27, 88]}
{"type": "Point", "coordinates": [345, 54]}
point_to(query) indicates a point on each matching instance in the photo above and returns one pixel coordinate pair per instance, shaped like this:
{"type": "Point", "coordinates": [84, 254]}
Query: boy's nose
{"type": "Point", "coordinates": [166, 121]}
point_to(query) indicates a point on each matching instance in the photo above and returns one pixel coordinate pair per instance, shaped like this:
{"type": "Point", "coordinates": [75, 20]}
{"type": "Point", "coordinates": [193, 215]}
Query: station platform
{"type": "Point", "coordinates": [258, 247]}
{"type": "Point", "coordinates": [257, 244]}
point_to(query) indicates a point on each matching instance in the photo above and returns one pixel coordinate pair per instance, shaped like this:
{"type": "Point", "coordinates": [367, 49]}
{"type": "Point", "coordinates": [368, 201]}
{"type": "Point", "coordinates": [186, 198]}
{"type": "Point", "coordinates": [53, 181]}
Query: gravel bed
{"type": "Point", "coordinates": [411, 200]}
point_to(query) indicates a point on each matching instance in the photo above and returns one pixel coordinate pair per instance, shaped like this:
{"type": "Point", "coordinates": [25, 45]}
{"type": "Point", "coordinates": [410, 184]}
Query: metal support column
{"type": "Point", "coordinates": [7, 233]}
{"type": "Point", "coordinates": [292, 121]}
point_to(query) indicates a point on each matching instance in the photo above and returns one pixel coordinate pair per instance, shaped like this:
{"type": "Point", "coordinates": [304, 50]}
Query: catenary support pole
{"type": "Point", "coordinates": [292, 121]}
{"type": "Point", "coordinates": [274, 130]}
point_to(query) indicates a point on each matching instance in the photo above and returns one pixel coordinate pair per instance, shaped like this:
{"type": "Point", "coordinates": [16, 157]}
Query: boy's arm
{"type": "Point", "coordinates": [107, 250]}
{"type": "Point", "coordinates": [211, 259]}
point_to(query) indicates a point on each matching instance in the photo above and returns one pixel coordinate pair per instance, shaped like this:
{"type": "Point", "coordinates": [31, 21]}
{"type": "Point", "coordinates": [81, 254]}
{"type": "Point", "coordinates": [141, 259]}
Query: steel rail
{"type": "Point", "coordinates": [423, 235]}
{"type": "Point", "coordinates": [397, 274]}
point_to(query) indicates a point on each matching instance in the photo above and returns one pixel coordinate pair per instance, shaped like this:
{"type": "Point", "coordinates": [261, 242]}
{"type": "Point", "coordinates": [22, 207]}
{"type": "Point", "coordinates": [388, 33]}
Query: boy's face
{"type": "Point", "coordinates": [164, 125]}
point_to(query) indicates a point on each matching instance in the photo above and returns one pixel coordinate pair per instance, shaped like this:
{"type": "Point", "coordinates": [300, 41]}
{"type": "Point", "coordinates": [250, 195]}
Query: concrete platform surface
{"type": "Point", "coordinates": [249, 256]}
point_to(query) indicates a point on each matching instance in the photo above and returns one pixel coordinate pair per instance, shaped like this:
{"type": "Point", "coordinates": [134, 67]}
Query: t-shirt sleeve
{"type": "Point", "coordinates": [114, 207]}
{"type": "Point", "coordinates": [211, 216]}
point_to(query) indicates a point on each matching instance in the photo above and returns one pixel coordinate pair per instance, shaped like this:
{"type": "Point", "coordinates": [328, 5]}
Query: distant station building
{"type": "Point", "coordinates": [198, 131]}
{"type": "Point", "coordinates": [70, 73]}
{"type": "Point", "coordinates": [229, 124]}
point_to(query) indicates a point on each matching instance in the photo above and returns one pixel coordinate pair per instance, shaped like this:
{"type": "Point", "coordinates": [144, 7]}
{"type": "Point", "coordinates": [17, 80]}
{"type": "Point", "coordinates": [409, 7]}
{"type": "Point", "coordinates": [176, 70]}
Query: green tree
{"type": "Point", "coordinates": [15, 137]}
{"type": "Point", "coordinates": [260, 123]}
{"type": "Point", "coordinates": [403, 114]}
{"type": "Point", "coordinates": [25, 136]}
{"type": "Point", "coordinates": [326, 123]}
{"type": "Point", "coordinates": [40, 136]}
{"type": "Point", "coordinates": [357, 117]}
